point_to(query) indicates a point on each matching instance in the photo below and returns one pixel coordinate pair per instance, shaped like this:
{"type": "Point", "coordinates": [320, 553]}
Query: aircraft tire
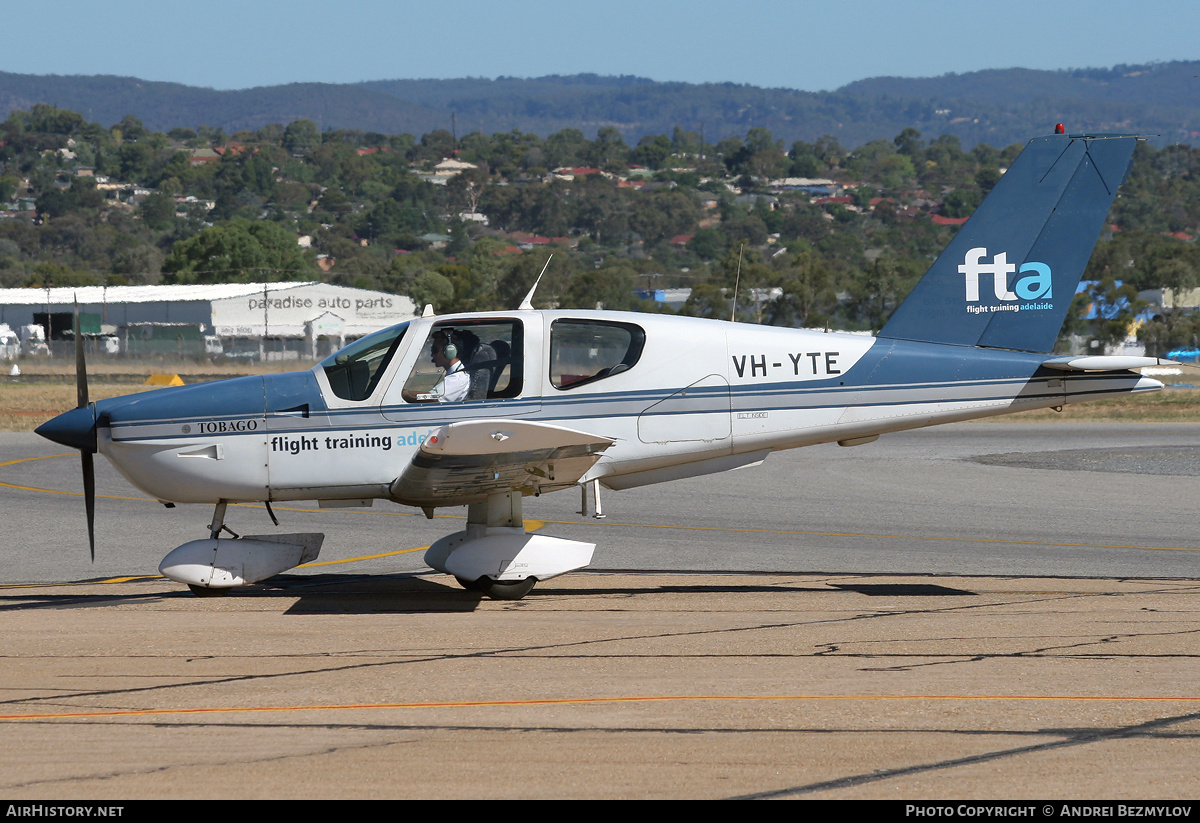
{"type": "Point", "coordinates": [469, 585]}
{"type": "Point", "coordinates": [205, 591]}
{"type": "Point", "coordinates": [505, 589]}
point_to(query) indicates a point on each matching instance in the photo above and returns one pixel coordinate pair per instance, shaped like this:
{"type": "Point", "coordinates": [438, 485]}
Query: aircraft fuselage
{"type": "Point", "coordinates": [702, 396]}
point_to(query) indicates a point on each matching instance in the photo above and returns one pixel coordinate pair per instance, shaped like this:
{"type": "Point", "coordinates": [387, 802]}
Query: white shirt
{"type": "Point", "coordinates": [454, 385]}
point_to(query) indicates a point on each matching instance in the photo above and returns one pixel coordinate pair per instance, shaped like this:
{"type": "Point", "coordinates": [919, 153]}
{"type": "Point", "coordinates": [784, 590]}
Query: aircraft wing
{"type": "Point", "coordinates": [465, 462]}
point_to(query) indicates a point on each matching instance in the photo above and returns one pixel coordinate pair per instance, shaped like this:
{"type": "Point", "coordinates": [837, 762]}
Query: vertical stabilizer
{"type": "Point", "coordinates": [1007, 278]}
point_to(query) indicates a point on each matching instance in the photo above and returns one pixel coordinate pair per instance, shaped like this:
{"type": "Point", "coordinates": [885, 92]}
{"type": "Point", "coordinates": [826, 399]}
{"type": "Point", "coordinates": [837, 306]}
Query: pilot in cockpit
{"type": "Point", "coordinates": [455, 382]}
{"type": "Point", "coordinates": [467, 369]}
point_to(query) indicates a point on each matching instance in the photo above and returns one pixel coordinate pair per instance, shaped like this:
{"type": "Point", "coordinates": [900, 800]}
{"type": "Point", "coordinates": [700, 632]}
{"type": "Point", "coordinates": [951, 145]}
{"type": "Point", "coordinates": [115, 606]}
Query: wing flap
{"type": "Point", "coordinates": [466, 462]}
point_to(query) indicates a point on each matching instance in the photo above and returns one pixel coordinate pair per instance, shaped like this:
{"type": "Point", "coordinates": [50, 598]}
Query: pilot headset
{"type": "Point", "coordinates": [450, 350]}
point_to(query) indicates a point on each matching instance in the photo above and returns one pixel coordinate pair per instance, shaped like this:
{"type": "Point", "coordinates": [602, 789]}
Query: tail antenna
{"type": "Point", "coordinates": [527, 303]}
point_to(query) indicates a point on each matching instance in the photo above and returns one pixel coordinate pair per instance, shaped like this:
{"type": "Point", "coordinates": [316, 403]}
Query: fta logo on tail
{"type": "Point", "coordinates": [1034, 286]}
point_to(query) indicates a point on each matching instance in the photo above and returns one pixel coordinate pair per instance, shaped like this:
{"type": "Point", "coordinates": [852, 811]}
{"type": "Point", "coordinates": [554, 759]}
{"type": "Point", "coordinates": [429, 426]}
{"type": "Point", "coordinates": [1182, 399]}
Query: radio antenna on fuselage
{"type": "Point", "coordinates": [736, 283]}
{"type": "Point", "coordinates": [527, 303]}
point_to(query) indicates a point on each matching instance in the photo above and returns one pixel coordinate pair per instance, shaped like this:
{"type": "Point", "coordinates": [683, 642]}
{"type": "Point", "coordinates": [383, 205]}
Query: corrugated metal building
{"type": "Point", "coordinates": [288, 319]}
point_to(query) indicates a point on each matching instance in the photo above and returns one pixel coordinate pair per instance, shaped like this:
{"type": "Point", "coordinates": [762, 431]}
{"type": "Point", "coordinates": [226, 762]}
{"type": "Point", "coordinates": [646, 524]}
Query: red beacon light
{"type": "Point", "coordinates": [1060, 129]}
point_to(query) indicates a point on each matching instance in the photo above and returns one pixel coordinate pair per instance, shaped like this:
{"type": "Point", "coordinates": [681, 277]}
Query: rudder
{"type": "Point", "coordinates": [1007, 278]}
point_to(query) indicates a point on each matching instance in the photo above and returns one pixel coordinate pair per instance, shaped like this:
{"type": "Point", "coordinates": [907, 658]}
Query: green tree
{"type": "Point", "coordinates": [601, 209]}
{"type": "Point", "coordinates": [141, 265]}
{"type": "Point", "coordinates": [158, 210]}
{"type": "Point", "coordinates": [651, 152]}
{"type": "Point", "coordinates": [130, 128]}
{"type": "Point", "coordinates": [707, 300]}
{"type": "Point", "coordinates": [877, 290]}
{"type": "Point", "coordinates": [300, 136]}
{"type": "Point", "coordinates": [434, 146]}
{"type": "Point", "coordinates": [610, 287]}
{"type": "Point", "coordinates": [709, 244]}
{"type": "Point", "coordinates": [134, 161]}
{"type": "Point", "coordinates": [430, 288]}
{"type": "Point", "coordinates": [54, 203]}
{"type": "Point", "coordinates": [566, 148]}
{"type": "Point", "coordinates": [240, 251]}
{"type": "Point", "coordinates": [909, 142]}
{"type": "Point", "coordinates": [608, 150]}
{"type": "Point", "coordinates": [663, 214]}
{"type": "Point", "coordinates": [50, 274]}
{"type": "Point", "coordinates": [45, 118]}
{"type": "Point", "coordinates": [684, 142]}
{"type": "Point", "coordinates": [759, 157]}
{"type": "Point", "coordinates": [987, 178]}
{"type": "Point", "coordinates": [335, 203]}
{"type": "Point", "coordinates": [748, 229]}
{"type": "Point", "coordinates": [804, 162]}
{"type": "Point", "coordinates": [962, 202]}
{"type": "Point", "coordinates": [809, 297]}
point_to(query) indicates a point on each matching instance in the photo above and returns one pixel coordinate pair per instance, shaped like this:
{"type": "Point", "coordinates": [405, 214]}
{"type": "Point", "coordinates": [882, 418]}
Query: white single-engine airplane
{"type": "Point", "coordinates": [555, 399]}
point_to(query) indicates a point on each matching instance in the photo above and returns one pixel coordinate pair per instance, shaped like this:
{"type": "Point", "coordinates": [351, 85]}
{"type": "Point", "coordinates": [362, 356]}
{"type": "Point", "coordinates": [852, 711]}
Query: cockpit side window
{"type": "Point", "coordinates": [354, 372]}
{"type": "Point", "coordinates": [463, 361]}
{"type": "Point", "coordinates": [584, 351]}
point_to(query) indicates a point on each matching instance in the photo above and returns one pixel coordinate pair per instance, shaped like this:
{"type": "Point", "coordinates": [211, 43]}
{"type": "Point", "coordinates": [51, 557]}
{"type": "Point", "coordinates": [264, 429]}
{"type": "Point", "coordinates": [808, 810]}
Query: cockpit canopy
{"type": "Point", "coordinates": [354, 372]}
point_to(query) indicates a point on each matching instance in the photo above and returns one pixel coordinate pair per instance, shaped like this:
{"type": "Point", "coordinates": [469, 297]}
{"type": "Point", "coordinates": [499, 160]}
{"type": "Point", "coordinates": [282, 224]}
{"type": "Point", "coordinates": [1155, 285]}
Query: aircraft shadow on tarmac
{"type": "Point", "coordinates": [414, 593]}
{"type": "Point", "coordinates": [33, 599]}
{"type": "Point", "coordinates": [902, 590]}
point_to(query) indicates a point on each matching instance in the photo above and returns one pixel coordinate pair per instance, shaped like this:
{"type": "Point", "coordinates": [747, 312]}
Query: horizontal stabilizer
{"type": "Point", "coordinates": [466, 462]}
{"type": "Point", "coordinates": [1105, 363]}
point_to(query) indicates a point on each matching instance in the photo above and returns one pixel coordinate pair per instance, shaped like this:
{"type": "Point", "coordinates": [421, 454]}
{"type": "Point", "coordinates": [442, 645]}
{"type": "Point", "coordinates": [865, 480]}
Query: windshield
{"type": "Point", "coordinates": [354, 371]}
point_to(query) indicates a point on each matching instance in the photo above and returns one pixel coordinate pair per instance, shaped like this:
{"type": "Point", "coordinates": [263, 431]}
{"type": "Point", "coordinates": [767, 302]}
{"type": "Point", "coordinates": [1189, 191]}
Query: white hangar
{"type": "Point", "coordinates": [310, 319]}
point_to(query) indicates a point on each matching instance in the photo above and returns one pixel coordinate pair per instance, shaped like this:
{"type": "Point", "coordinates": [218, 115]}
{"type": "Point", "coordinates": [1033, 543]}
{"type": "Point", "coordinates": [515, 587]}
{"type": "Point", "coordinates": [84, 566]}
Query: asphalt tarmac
{"type": "Point", "coordinates": [992, 610]}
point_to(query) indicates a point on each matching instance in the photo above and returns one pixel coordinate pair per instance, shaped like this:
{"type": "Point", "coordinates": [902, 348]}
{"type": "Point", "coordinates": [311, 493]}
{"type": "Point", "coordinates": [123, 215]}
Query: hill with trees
{"type": "Point", "coordinates": [997, 106]}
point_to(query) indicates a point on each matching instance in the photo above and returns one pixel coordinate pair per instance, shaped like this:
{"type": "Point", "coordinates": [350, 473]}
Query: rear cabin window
{"type": "Point", "coordinates": [584, 351]}
{"type": "Point", "coordinates": [354, 372]}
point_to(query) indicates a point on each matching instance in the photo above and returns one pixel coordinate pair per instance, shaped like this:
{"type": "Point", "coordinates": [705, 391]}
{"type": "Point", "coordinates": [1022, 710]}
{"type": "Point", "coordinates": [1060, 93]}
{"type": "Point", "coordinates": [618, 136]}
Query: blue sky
{"type": "Point", "coordinates": [801, 45]}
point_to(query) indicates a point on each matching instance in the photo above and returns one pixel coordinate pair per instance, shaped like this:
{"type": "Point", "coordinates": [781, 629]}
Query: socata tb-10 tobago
{"type": "Point", "coordinates": [561, 398]}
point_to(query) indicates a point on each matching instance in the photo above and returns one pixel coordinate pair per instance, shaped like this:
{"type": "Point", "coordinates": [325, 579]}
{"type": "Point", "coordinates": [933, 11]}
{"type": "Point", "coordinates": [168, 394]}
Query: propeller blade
{"type": "Point", "coordinates": [81, 387]}
{"type": "Point", "coordinates": [89, 469]}
{"type": "Point", "coordinates": [89, 499]}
